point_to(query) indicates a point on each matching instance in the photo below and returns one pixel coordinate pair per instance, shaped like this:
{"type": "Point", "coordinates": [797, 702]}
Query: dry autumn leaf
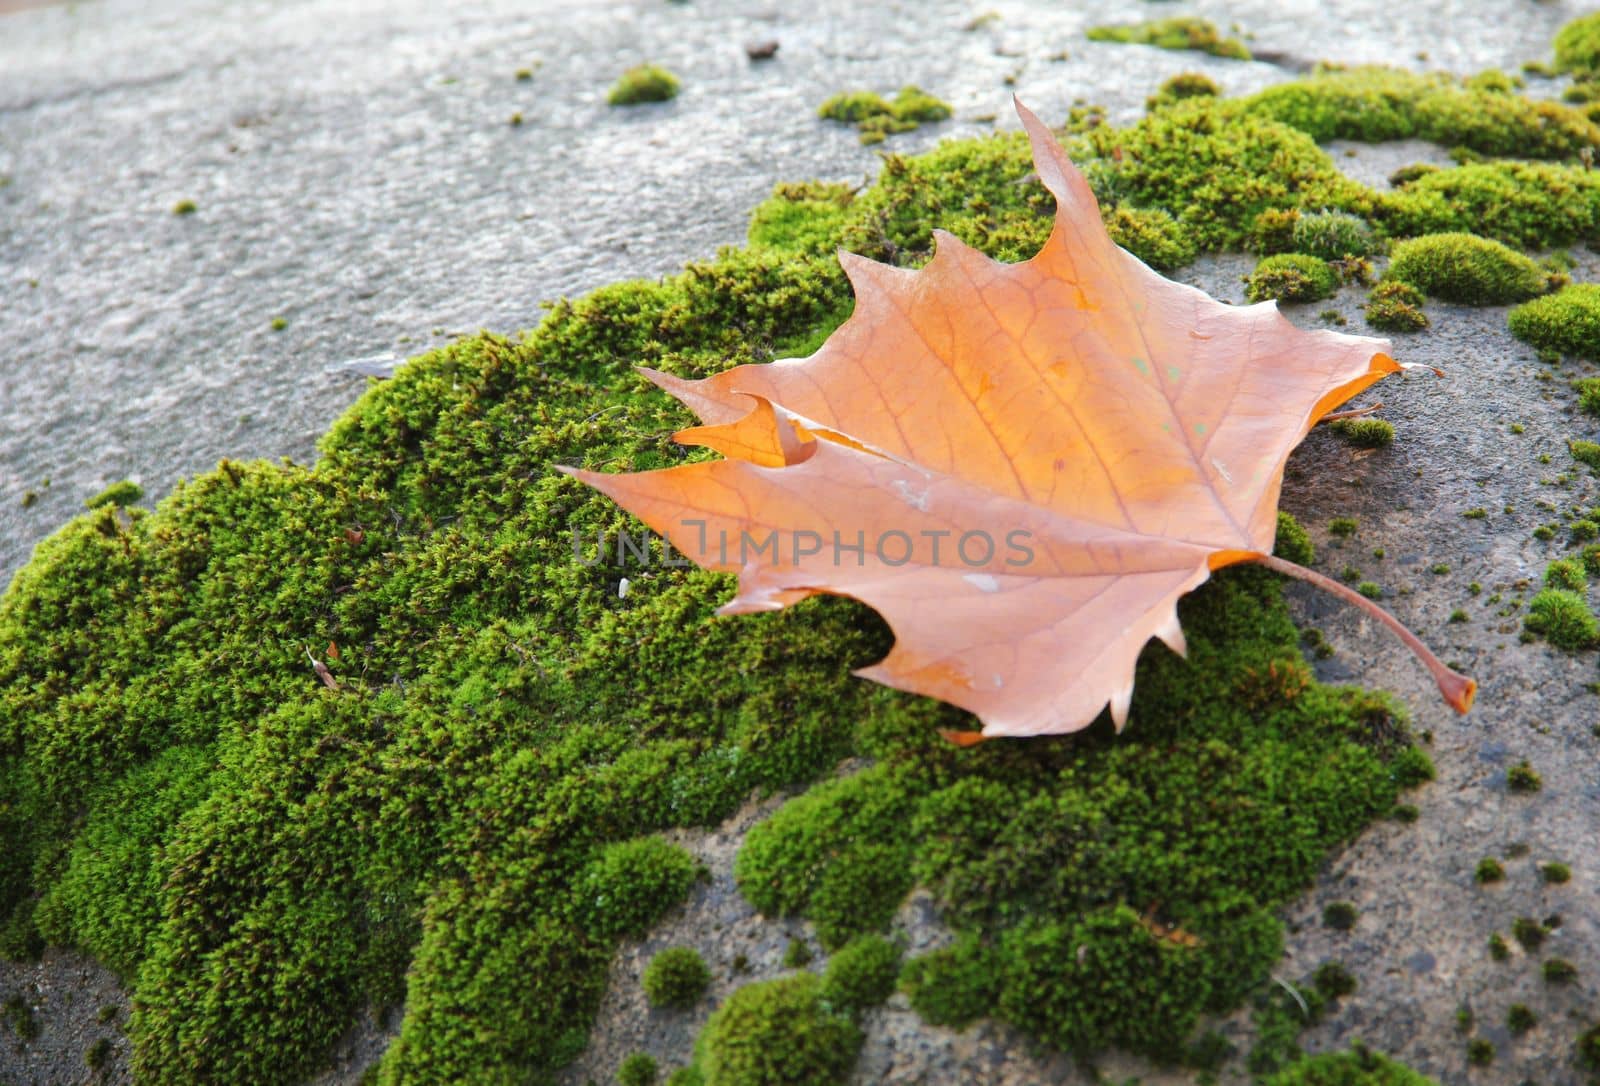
{"type": "Point", "coordinates": [1022, 467]}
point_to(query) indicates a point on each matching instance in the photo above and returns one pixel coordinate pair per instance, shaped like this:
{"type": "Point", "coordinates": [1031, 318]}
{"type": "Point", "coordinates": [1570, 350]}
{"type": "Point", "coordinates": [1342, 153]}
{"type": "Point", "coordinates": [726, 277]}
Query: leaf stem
{"type": "Point", "coordinates": [1457, 689]}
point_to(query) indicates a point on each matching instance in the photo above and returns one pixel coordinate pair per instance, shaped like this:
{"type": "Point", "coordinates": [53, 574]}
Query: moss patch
{"type": "Point", "coordinates": [1184, 32]}
{"type": "Point", "coordinates": [1468, 269]}
{"type": "Point", "coordinates": [876, 118]}
{"type": "Point", "coordinates": [1052, 859]}
{"type": "Point", "coordinates": [1291, 277]}
{"type": "Point", "coordinates": [645, 83]}
{"type": "Point", "coordinates": [1567, 322]}
{"type": "Point", "coordinates": [777, 1033]}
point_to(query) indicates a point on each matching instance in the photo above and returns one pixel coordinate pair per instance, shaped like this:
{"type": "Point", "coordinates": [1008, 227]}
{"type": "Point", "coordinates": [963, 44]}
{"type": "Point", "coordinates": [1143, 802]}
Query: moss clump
{"type": "Point", "coordinates": [122, 493]}
{"type": "Point", "coordinates": [1332, 235]}
{"type": "Point", "coordinates": [1588, 1048]}
{"type": "Point", "coordinates": [1555, 873]}
{"type": "Point", "coordinates": [1293, 542]}
{"type": "Point", "coordinates": [1215, 169]}
{"type": "Point", "coordinates": [644, 83]}
{"type": "Point", "coordinates": [1343, 527]}
{"type": "Point", "coordinates": [1489, 870]}
{"type": "Point", "coordinates": [1467, 269]}
{"type": "Point", "coordinates": [1558, 971]}
{"type": "Point", "coordinates": [1012, 846]}
{"type": "Point", "coordinates": [1152, 235]}
{"type": "Point", "coordinates": [1529, 932]}
{"type": "Point", "coordinates": [676, 977]}
{"type": "Point", "coordinates": [1365, 433]}
{"type": "Point", "coordinates": [638, 1069]}
{"type": "Point", "coordinates": [1340, 915]}
{"type": "Point", "coordinates": [1563, 618]}
{"type": "Point", "coordinates": [1181, 86]}
{"type": "Point", "coordinates": [777, 1033]}
{"type": "Point", "coordinates": [1528, 205]}
{"type": "Point", "coordinates": [18, 1016]}
{"type": "Point", "coordinates": [1522, 777]}
{"type": "Point", "coordinates": [861, 974]}
{"type": "Point", "coordinates": [1358, 1067]}
{"type": "Point", "coordinates": [1183, 32]}
{"type": "Point", "coordinates": [953, 986]}
{"type": "Point", "coordinates": [1520, 1018]}
{"type": "Point", "coordinates": [184, 207]}
{"type": "Point", "coordinates": [1377, 104]}
{"type": "Point", "coordinates": [1567, 322]}
{"type": "Point", "coordinates": [1333, 981]}
{"type": "Point", "coordinates": [1480, 1052]}
{"type": "Point", "coordinates": [876, 118]}
{"type": "Point", "coordinates": [1577, 46]}
{"type": "Point", "coordinates": [1291, 277]}
{"type": "Point", "coordinates": [1394, 306]}
{"type": "Point", "coordinates": [1566, 573]}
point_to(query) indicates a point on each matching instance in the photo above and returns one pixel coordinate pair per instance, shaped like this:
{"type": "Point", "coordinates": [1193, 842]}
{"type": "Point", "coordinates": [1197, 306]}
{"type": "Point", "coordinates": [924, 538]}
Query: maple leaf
{"type": "Point", "coordinates": [1022, 467]}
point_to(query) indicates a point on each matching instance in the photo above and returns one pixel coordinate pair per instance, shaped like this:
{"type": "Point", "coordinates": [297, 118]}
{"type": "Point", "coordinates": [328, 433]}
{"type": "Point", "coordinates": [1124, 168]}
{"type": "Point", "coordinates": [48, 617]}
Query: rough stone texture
{"type": "Point", "coordinates": [355, 173]}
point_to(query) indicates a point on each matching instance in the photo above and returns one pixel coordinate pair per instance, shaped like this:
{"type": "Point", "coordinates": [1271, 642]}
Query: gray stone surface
{"type": "Point", "coordinates": [355, 173]}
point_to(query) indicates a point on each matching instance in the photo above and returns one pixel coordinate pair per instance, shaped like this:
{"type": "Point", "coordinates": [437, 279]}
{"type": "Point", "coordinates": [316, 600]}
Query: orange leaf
{"type": "Point", "coordinates": [1022, 467]}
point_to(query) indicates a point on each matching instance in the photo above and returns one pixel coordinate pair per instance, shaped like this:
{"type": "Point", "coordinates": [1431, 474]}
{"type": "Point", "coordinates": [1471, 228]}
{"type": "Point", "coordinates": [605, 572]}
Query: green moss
{"type": "Point", "coordinates": [1291, 277]}
{"type": "Point", "coordinates": [1183, 32]}
{"type": "Point", "coordinates": [1293, 542]}
{"type": "Point", "coordinates": [644, 83]}
{"type": "Point", "coordinates": [1527, 205]}
{"type": "Point", "coordinates": [1588, 1048]}
{"type": "Point", "coordinates": [1343, 527]}
{"type": "Point", "coordinates": [1377, 104]}
{"type": "Point", "coordinates": [836, 854]}
{"type": "Point", "coordinates": [1499, 949]}
{"type": "Point", "coordinates": [1563, 618]}
{"type": "Point", "coordinates": [1152, 235]}
{"type": "Point", "coordinates": [1467, 269]}
{"type": "Point", "coordinates": [676, 977]}
{"type": "Point", "coordinates": [98, 1055]}
{"type": "Point", "coordinates": [184, 207]}
{"type": "Point", "coordinates": [955, 985]}
{"type": "Point", "coordinates": [875, 117]}
{"type": "Point", "coordinates": [1567, 322]}
{"type": "Point", "coordinates": [797, 955]}
{"type": "Point", "coordinates": [1555, 873]}
{"type": "Point", "coordinates": [1480, 1052]}
{"type": "Point", "coordinates": [1370, 589]}
{"type": "Point", "coordinates": [638, 1069]}
{"type": "Point", "coordinates": [1394, 306]}
{"type": "Point", "coordinates": [1332, 235]}
{"type": "Point", "coordinates": [1489, 870]}
{"type": "Point", "coordinates": [1358, 1067]}
{"type": "Point", "coordinates": [1340, 915]}
{"type": "Point", "coordinates": [861, 974]}
{"type": "Point", "coordinates": [1529, 932]}
{"type": "Point", "coordinates": [1523, 778]}
{"type": "Point", "coordinates": [118, 494]}
{"type": "Point", "coordinates": [1566, 573]}
{"type": "Point", "coordinates": [777, 1033]}
{"type": "Point", "coordinates": [1181, 86]}
{"type": "Point", "coordinates": [1558, 971]}
{"type": "Point", "coordinates": [1215, 169]}
{"type": "Point", "coordinates": [1365, 433]}
{"type": "Point", "coordinates": [1577, 46]}
{"type": "Point", "coordinates": [17, 1016]}
{"type": "Point", "coordinates": [1333, 981]}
